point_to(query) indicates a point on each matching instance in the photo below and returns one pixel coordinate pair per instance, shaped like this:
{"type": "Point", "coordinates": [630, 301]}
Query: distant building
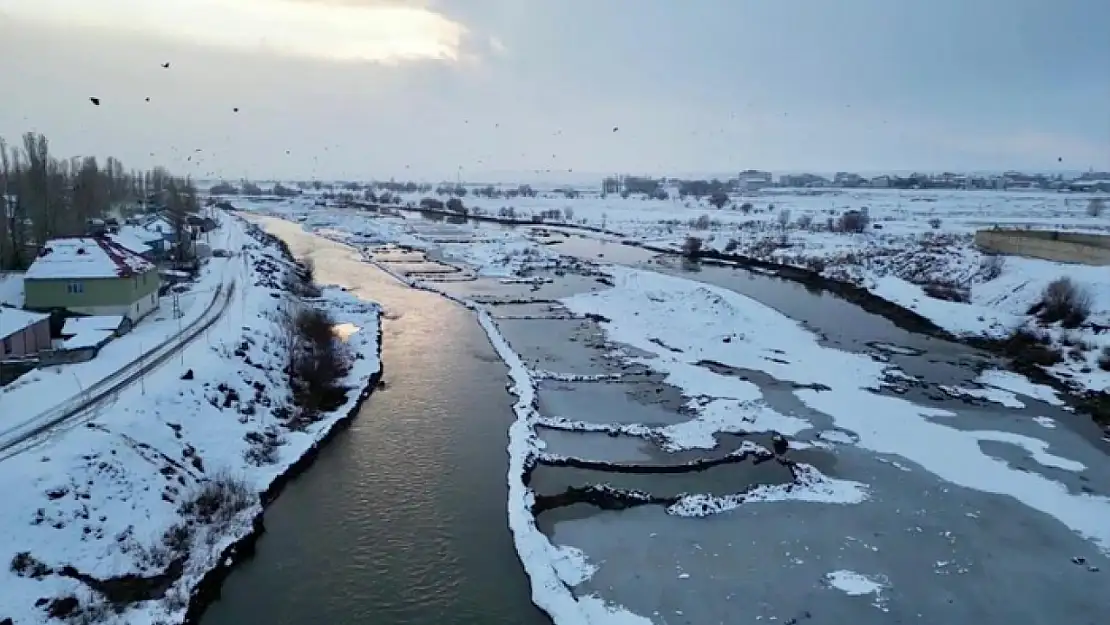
{"type": "Point", "coordinates": [802, 181]}
{"type": "Point", "coordinates": [847, 179]}
{"type": "Point", "coordinates": [91, 276]}
{"type": "Point", "coordinates": [880, 182]}
{"type": "Point", "coordinates": [753, 180]}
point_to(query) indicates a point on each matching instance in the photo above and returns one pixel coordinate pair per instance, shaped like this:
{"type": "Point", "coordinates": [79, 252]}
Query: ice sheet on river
{"type": "Point", "coordinates": [686, 324]}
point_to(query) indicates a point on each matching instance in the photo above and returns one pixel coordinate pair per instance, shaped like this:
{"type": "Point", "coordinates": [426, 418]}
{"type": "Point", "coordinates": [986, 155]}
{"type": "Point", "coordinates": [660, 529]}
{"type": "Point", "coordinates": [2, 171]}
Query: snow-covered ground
{"type": "Point", "coordinates": [117, 519]}
{"type": "Point", "coordinates": [11, 288]}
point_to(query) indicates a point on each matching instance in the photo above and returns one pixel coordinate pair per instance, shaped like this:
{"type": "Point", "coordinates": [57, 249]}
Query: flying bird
{"type": "Point", "coordinates": [166, 65]}
{"type": "Point", "coordinates": [235, 110]}
{"type": "Point", "coordinates": [614, 128]}
{"type": "Point", "coordinates": [95, 101]}
{"type": "Point", "coordinates": [148, 99]}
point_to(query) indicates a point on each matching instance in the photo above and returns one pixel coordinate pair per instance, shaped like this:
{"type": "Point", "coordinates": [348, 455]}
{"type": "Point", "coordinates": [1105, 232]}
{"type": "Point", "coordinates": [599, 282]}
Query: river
{"type": "Point", "coordinates": [402, 519]}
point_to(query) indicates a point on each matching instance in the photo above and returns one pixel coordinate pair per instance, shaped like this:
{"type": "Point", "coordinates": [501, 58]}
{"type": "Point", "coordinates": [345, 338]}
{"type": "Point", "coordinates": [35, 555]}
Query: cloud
{"type": "Point", "coordinates": [385, 32]}
{"type": "Point", "coordinates": [497, 45]}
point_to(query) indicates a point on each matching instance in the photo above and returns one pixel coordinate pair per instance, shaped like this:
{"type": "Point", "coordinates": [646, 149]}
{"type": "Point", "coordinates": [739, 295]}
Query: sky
{"type": "Point", "coordinates": [486, 90]}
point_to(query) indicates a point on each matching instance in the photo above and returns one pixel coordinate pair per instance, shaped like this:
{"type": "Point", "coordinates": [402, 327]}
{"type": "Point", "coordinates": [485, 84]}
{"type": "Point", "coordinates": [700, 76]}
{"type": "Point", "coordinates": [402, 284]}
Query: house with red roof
{"type": "Point", "coordinates": [91, 276]}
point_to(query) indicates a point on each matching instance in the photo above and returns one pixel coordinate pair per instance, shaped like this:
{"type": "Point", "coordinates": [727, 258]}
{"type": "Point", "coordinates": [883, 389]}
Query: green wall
{"type": "Point", "coordinates": [54, 293]}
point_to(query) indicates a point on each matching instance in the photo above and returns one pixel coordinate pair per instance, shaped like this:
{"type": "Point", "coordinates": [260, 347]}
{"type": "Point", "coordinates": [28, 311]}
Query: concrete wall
{"type": "Point", "coordinates": [1062, 247]}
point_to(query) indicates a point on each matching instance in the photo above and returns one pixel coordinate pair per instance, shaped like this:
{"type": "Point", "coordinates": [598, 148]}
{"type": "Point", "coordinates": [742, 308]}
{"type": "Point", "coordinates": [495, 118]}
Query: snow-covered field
{"type": "Point", "coordinates": [118, 518]}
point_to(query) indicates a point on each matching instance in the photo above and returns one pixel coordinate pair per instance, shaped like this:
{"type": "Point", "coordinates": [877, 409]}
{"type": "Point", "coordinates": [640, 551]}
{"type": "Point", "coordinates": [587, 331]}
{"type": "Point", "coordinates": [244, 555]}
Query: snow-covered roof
{"type": "Point", "coordinates": [81, 325]}
{"type": "Point", "coordinates": [130, 241]}
{"type": "Point", "coordinates": [11, 288]}
{"type": "Point", "coordinates": [13, 320]}
{"type": "Point", "coordinates": [158, 224]}
{"type": "Point", "coordinates": [85, 257]}
{"type": "Point", "coordinates": [88, 338]}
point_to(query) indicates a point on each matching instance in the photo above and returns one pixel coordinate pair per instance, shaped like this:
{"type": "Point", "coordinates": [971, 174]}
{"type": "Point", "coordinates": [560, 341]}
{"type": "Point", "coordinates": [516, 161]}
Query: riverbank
{"type": "Point", "coordinates": [135, 514]}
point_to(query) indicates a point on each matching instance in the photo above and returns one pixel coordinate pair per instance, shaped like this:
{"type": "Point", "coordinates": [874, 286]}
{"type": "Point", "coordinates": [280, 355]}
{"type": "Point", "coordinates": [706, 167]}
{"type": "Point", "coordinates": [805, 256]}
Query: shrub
{"type": "Point", "coordinates": [1066, 302]}
{"type": "Point", "coordinates": [731, 246]}
{"type": "Point", "coordinates": [853, 221]}
{"type": "Point", "coordinates": [784, 217]}
{"type": "Point", "coordinates": [990, 267]}
{"type": "Point", "coordinates": [805, 222]}
{"type": "Point", "coordinates": [568, 213]}
{"type": "Point", "coordinates": [691, 247]}
{"type": "Point", "coordinates": [1104, 359]}
{"type": "Point", "coordinates": [934, 223]}
{"type": "Point", "coordinates": [1096, 206]}
{"type": "Point", "coordinates": [1028, 347]}
{"type": "Point", "coordinates": [217, 500]}
{"type": "Point", "coordinates": [701, 223]}
{"type": "Point", "coordinates": [746, 207]}
{"type": "Point", "coordinates": [455, 205]}
{"type": "Point", "coordinates": [718, 199]}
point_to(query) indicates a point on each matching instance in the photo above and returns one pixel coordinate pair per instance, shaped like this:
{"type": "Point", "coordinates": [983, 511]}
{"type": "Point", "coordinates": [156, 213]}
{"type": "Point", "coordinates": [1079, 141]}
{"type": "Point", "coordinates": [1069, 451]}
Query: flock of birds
{"type": "Point", "coordinates": [96, 102]}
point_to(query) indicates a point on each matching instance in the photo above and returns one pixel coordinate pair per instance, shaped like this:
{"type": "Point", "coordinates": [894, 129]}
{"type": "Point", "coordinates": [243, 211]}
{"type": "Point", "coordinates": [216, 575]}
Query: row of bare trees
{"type": "Point", "coordinates": [43, 196]}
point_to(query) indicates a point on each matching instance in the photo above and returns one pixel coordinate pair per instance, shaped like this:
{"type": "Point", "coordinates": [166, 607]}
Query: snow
{"type": "Point", "coordinates": [77, 325]}
{"type": "Point", "coordinates": [100, 497]}
{"type": "Point", "coordinates": [1020, 385]}
{"type": "Point", "coordinates": [694, 317]}
{"type": "Point", "coordinates": [854, 584]}
{"type": "Point", "coordinates": [13, 320]}
{"type": "Point", "coordinates": [11, 288]}
{"type": "Point", "coordinates": [129, 239]}
{"type": "Point", "coordinates": [85, 257]}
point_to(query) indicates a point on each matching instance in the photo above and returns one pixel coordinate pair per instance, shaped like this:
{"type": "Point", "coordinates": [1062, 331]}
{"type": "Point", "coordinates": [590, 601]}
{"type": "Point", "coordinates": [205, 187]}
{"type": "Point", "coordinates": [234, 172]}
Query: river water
{"type": "Point", "coordinates": [402, 517]}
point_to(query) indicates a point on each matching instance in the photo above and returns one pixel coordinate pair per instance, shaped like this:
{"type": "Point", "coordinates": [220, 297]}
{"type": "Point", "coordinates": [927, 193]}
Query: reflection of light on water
{"type": "Point", "coordinates": [343, 331]}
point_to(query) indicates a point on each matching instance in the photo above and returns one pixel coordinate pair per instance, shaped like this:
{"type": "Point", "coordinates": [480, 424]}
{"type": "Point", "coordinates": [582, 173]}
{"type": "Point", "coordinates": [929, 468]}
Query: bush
{"type": "Point", "coordinates": [455, 205]}
{"type": "Point", "coordinates": [701, 223]}
{"type": "Point", "coordinates": [805, 222]}
{"type": "Point", "coordinates": [718, 199]}
{"type": "Point", "coordinates": [731, 246]}
{"type": "Point", "coordinates": [1096, 206]}
{"type": "Point", "coordinates": [218, 500]}
{"type": "Point", "coordinates": [317, 362]}
{"type": "Point", "coordinates": [990, 267]}
{"type": "Point", "coordinates": [1104, 359]}
{"type": "Point", "coordinates": [746, 207]}
{"type": "Point", "coordinates": [691, 247]}
{"type": "Point", "coordinates": [1066, 302]}
{"type": "Point", "coordinates": [784, 217]}
{"type": "Point", "coordinates": [853, 221]}
{"type": "Point", "coordinates": [934, 223]}
{"type": "Point", "coordinates": [1027, 347]}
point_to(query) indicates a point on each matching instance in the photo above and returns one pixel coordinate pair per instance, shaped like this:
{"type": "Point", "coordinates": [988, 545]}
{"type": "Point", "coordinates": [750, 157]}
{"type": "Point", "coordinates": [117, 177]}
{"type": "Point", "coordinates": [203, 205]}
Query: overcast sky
{"type": "Point", "coordinates": [420, 89]}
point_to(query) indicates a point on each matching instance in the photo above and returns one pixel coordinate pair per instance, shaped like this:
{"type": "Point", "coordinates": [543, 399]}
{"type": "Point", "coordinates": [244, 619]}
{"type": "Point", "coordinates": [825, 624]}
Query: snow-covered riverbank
{"type": "Point", "coordinates": [120, 517]}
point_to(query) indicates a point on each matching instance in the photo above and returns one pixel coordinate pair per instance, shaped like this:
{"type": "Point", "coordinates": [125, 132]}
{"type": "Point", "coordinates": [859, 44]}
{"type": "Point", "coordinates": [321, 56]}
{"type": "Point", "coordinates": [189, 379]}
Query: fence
{"type": "Point", "coordinates": [1063, 247]}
